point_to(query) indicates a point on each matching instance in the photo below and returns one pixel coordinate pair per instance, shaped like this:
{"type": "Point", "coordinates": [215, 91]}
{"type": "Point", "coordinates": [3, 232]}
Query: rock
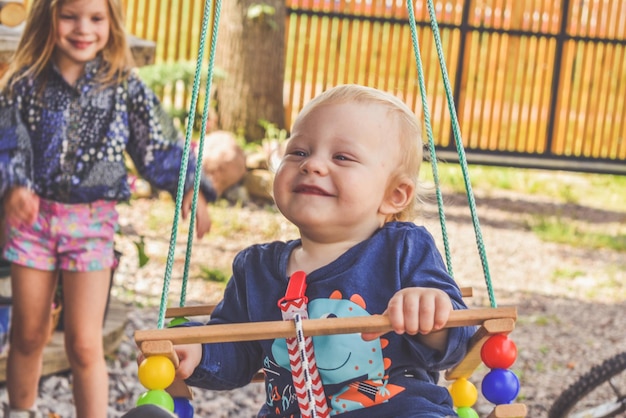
{"type": "Point", "coordinates": [259, 185]}
{"type": "Point", "coordinates": [223, 160]}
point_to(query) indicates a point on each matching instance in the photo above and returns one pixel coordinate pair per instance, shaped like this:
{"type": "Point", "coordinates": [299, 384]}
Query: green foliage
{"type": "Point", "coordinates": [157, 76]}
{"type": "Point", "coordinates": [213, 275]}
{"type": "Point", "coordinates": [264, 13]}
{"type": "Point", "coordinates": [273, 132]}
{"type": "Point", "coordinates": [567, 274]}
{"type": "Point", "coordinates": [141, 252]}
{"type": "Point", "coordinates": [168, 74]}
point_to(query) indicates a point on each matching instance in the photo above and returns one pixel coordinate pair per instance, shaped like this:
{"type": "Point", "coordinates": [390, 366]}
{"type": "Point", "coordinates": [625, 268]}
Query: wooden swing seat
{"type": "Point", "coordinates": [492, 321]}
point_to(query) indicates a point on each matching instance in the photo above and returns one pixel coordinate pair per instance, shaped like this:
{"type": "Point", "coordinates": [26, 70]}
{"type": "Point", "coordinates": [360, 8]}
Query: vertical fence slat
{"type": "Point", "coordinates": [620, 136]}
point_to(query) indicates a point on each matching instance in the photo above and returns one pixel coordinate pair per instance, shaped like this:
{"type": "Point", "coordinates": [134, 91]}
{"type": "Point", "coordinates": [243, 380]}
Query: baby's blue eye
{"type": "Point", "coordinates": [342, 157]}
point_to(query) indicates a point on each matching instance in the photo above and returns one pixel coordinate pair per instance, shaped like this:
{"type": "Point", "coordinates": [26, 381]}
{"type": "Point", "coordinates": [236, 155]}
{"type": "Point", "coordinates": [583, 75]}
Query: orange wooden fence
{"type": "Point", "coordinates": [537, 83]}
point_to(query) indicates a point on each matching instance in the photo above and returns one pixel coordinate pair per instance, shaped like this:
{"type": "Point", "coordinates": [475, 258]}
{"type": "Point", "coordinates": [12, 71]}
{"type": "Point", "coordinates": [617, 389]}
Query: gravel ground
{"type": "Point", "coordinates": [570, 300]}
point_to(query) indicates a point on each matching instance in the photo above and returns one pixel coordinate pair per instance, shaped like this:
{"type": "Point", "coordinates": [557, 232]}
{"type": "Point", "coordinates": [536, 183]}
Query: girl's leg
{"type": "Point", "coordinates": [32, 292]}
{"type": "Point", "coordinates": [85, 296]}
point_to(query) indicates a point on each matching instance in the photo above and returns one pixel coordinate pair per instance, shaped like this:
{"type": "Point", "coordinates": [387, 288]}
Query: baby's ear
{"type": "Point", "coordinates": [398, 197]}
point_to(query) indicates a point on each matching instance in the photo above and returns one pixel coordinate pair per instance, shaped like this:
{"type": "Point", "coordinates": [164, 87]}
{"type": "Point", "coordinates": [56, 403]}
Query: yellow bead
{"type": "Point", "coordinates": [464, 393]}
{"type": "Point", "coordinates": [156, 372]}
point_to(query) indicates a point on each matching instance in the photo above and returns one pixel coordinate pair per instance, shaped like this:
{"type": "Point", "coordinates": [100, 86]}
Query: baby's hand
{"type": "Point", "coordinates": [189, 356]}
{"type": "Point", "coordinates": [21, 205]}
{"type": "Point", "coordinates": [419, 310]}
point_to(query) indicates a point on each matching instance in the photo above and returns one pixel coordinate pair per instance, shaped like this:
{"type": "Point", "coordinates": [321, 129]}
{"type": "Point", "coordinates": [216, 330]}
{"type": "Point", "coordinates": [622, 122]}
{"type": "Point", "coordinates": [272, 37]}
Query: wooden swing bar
{"type": "Point", "coordinates": [269, 330]}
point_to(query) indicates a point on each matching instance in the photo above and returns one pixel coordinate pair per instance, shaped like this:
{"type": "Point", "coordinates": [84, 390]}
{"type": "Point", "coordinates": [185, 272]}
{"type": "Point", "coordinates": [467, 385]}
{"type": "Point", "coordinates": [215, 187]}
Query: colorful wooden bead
{"type": "Point", "coordinates": [179, 320]}
{"type": "Point", "coordinates": [183, 408]}
{"type": "Point", "coordinates": [463, 392]}
{"type": "Point", "coordinates": [156, 372]}
{"type": "Point", "coordinates": [500, 386]}
{"type": "Point", "coordinates": [157, 397]}
{"type": "Point", "coordinates": [466, 412]}
{"type": "Point", "coordinates": [498, 352]}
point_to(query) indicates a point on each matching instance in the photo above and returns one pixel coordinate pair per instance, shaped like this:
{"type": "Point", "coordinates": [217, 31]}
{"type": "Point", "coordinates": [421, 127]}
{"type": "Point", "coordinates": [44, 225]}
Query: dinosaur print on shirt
{"type": "Point", "coordinates": [353, 370]}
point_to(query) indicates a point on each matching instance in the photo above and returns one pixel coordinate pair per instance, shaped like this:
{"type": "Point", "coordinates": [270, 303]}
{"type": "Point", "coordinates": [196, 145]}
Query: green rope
{"type": "Point", "coordinates": [431, 141]}
{"type": "Point", "coordinates": [458, 140]}
{"type": "Point", "coordinates": [184, 163]}
{"type": "Point", "coordinates": [205, 114]}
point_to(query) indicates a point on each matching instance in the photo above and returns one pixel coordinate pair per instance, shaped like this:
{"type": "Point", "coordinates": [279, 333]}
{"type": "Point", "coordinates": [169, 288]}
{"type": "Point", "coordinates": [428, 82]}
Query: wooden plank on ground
{"type": "Point", "coordinates": [54, 358]}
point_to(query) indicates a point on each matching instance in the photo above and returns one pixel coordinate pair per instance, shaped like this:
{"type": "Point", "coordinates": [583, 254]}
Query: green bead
{"type": "Point", "coordinates": [177, 321]}
{"type": "Point", "coordinates": [466, 412]}
{"type": "Point", "coordinates": [157, 397]}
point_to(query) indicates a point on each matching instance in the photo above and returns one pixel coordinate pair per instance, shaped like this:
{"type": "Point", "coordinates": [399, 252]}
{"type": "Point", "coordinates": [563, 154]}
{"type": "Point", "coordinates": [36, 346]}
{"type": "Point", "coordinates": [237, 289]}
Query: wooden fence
{"type": "Point", "coordinates": [536, 83]}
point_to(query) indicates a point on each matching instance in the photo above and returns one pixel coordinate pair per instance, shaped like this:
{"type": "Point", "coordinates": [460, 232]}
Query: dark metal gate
{"type": "Point", "coordinates": [537, 83]}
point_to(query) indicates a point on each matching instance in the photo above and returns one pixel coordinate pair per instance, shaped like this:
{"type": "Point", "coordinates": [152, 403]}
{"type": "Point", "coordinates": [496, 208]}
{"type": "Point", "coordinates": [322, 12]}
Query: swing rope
{"type": "Point", "coordinates": [186, 150]}
{"type": "Point", "coordinates": [458, 141]}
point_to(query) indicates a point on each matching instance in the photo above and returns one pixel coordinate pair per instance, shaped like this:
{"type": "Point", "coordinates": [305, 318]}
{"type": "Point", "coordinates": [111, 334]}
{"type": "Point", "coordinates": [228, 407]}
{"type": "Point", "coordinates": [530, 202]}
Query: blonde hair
{"type": "Point", "coordinates": [411, 145]}
{"type": "Point", "coordinates": [36, 46]}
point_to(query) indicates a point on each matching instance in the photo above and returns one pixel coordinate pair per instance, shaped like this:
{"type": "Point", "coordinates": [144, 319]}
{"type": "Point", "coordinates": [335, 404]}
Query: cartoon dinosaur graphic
{"type": "Point", "coordinates": [346, 361]}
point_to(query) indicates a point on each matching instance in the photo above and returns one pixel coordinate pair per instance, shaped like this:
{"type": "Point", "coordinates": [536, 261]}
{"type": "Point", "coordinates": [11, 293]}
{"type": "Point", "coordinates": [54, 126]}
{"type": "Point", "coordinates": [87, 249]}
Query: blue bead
{"type": "Point", "coordinates": [500, 386]}
{"type": "Point", "coordinates": [183, 408]}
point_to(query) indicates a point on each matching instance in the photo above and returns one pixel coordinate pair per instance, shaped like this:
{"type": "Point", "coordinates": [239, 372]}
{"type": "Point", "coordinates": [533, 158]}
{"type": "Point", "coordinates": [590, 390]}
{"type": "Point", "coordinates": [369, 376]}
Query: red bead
{"type": "Point", "coordinates": [498, 352]}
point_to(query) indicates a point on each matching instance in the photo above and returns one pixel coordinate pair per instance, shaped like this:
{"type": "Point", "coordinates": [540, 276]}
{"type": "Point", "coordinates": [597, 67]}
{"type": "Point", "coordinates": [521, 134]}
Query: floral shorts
{"type": "Point", "coordinates": [71, 237]}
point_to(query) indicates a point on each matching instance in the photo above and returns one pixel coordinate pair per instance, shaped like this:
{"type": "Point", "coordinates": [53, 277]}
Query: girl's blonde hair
{"type": "Point", "coordinates": [38, 41]}
{"type": "Point", "coordinates": [411, 145]}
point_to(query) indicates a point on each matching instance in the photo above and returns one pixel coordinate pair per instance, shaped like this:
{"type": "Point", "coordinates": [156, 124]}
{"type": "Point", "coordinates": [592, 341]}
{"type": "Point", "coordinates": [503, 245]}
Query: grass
{"type": "Point", "coordinates": [564, 232]}
{"type": "Point", "coordinates": [601, 192]}
{"type": "Point", "coordinates": [594, 190]}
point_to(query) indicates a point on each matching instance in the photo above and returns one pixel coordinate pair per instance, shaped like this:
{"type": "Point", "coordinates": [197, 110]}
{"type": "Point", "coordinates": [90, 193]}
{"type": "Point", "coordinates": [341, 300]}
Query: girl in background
{"type": "Point", "coordinates": [69, 108]}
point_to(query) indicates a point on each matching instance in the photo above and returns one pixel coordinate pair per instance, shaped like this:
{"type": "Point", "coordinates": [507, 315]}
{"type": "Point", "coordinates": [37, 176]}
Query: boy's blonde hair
{"type": "Point", "coordinates": [411, 146]}
{"type": "Point", "coordinates": [38, 41]}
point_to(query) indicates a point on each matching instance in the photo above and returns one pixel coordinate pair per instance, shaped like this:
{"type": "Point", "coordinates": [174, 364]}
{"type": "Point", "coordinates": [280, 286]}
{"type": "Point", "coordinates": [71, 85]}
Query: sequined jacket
{"type": "Point", "coordinates": [67, 143]}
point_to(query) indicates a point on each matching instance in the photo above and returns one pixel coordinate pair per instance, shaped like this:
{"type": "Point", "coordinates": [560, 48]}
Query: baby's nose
{"type": "Point", "coordinates": [313, 165]}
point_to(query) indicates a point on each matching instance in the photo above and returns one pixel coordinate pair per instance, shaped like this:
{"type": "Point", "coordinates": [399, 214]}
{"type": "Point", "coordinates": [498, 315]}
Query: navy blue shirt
{"type": "Point", "coordinates": [393, 376]}
{"type": "Point", "coordinates": [67, 143]}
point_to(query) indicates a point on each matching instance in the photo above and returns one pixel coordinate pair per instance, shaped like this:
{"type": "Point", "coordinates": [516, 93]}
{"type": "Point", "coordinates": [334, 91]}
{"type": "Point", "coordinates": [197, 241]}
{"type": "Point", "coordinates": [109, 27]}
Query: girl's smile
{"type": "Point", "coordinates": [81, 44]}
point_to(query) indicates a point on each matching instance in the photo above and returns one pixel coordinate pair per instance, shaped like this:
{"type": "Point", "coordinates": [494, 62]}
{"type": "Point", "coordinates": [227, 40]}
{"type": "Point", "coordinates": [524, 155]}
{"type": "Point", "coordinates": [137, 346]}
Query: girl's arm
{"type": "Point", "coordinates": [203, 219]}
{"type": "Point", "coordinates": [156, 145]}
{"type": "Point", "coordinates": [21, 205]}
{"type": "Point", "coordinates": [15, 146]}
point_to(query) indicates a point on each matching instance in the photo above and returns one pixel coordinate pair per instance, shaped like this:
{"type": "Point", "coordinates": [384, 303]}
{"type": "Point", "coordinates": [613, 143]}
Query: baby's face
{"type": "Point", "coordinates": [337, 166]}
